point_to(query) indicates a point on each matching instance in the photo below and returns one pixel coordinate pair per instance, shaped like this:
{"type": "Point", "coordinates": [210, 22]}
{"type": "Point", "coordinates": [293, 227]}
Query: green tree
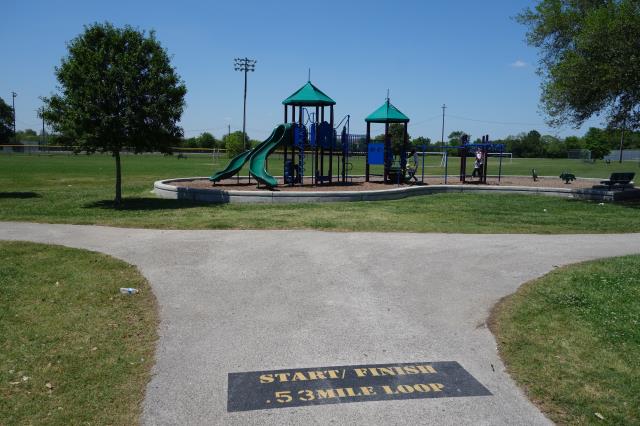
{"type": "Point", "coordinates": [455, 138]}
{"type": "Point", "coordinates": [190, 142]}
{"type": "Point", "coordinates": [206, 140]}
{"type": "Point", "coordinates": [553, 147]}
{"type": "Point", "coordinates": [6, 122]}
{"type": "Point", "coordinates": [27, 135]}
{"type": "Point", "coordinates": [589, 59]}
{"type": "Point", "coordinates": [573, 142]}
{"type": "Point", "coordinates": [396, 134]}
{"type": "Point", "coordinates": [532, 145]}
{"type": "Point", "coordinates": [525, 145]}
{"type": "Point", "coordinates": [596, 141]}
{"type": "Point", "coordinates": [234, 143]}
{"type": "Point", "coordinates": [118, 90]}
{"type": "Point", "coordinates": [420, 141]}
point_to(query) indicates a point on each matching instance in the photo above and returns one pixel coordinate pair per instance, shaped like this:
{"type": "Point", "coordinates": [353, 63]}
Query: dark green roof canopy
{"type": "Point", "coordinates": [309, 95]}
{"type": "Point", "coordinates": [387, 113]}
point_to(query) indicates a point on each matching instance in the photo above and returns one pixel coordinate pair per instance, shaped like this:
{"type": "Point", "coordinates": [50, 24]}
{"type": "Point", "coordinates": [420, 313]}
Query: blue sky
{"type": "Point", "coordinates": [469, 55]}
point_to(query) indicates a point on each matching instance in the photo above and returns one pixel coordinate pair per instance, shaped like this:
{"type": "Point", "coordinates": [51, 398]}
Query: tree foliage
{"type": "Point", "coordinates": [204, 140]}
{"type": "Point", "coordinates": [396, 134]}
{"type": "Point", "coordinates": [595, 140]}
{"type": "Point", "coordinates": [234, 143]}
{"type": "Point", "coordinates": [118, 90]}
{"type": "Point", "coordinates": [27, 135]}
{"type": "Point", "coordinates": [421, 141]}
{"type": "Point", "coordinates": [6, 122]}
{"type": "Point", "coordinates": [455, 137]}
{"type": "Point", "coordinates": [589, 59]}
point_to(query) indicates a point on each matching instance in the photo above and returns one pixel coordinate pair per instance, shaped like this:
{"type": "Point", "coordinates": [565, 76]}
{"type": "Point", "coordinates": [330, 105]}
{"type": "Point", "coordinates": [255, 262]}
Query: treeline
{"type": "Point", "coordinates": [599, 141]}
{"type": "Point", "coordinates": [532, 144]}
{"type": "Point", "coordinates": [233, 142]}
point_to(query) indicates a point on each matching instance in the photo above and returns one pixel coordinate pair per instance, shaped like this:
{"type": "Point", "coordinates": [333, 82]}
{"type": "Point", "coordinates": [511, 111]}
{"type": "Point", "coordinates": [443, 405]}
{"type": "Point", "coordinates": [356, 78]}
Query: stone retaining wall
{"type": "Point", "coordinates": [171, 189]}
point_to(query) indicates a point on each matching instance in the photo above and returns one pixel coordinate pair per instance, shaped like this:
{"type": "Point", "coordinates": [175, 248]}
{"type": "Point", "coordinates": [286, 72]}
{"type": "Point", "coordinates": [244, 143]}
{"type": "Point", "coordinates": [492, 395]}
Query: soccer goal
{"type": "Point", "coordinates": [508, 155]}
{"type": "Point", "coordinates": [433, 153]}
{"type": "Point", "coordinates": [579, 154]}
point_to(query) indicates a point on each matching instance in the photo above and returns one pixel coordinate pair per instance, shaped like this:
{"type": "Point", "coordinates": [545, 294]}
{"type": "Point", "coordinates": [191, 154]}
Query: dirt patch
{"type": "Point", "coordinates": [358, 184]}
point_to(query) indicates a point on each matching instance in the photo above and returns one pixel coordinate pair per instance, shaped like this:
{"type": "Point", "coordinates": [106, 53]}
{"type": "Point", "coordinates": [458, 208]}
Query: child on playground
{"type": "Point", "coordinates": [477, 165]}
{"type": "Point", "coordinates": [412, 165]}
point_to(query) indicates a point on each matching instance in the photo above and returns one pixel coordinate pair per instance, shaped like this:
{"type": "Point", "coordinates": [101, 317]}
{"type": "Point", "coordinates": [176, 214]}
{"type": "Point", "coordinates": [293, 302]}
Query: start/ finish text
{"type": "Point", "coordinates": [356, 383]}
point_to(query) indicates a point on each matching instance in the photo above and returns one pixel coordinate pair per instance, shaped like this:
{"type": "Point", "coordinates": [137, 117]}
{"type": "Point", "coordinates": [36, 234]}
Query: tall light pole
{"type": "Point", "coordinates": [13, 106]}
{"type": "Point", "coordinates": [245, 65]}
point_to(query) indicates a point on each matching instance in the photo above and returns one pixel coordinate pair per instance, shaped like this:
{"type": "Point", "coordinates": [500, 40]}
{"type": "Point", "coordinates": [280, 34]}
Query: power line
{"type": "Point", "coordinates": [425, 120]}
{"type": "Point", "coordinates": [209, 129]}
{"type": "Point", "coordinates": [507, 123]}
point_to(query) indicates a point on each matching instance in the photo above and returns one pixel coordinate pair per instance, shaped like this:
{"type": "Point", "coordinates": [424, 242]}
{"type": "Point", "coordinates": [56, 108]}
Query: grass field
{"type": "Point", "coordinates": [571, 339]}
{"type": "Point", "coordinates": [73, 350]}
{"type": "Point", "coordinates": [78, 189]}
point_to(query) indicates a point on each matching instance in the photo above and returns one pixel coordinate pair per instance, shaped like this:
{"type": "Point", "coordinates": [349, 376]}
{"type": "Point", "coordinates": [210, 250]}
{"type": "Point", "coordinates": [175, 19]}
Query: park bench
{"type": "Point", "coordinates": [619, 179]}
{"type": "Point", "coordinates": [567, 177]}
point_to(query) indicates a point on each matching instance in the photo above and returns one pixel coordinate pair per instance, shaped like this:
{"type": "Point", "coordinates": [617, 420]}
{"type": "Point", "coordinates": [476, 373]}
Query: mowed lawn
{"type": "Point", "coordinates": [79, 189]}
{"type": "Point", "coordinates": [73, 350]}
{"type": "Point", "coordinates": [571, 339]}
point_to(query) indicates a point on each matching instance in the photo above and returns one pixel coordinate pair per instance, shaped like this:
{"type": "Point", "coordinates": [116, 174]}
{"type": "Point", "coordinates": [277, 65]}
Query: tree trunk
{"type": "Point", "coordinates": [118, 200]}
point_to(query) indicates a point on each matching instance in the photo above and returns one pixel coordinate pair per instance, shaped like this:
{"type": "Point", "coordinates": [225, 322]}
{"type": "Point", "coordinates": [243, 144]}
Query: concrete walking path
{"type": "Point", "coordinates": [237, 301]}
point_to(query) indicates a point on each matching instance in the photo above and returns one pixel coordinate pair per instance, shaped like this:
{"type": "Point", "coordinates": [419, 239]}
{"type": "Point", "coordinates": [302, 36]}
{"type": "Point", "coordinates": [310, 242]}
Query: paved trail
{"type": "Point", "coordinates": [235, 301]}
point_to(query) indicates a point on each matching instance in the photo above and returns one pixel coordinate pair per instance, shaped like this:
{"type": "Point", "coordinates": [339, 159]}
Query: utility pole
{"type": "Point", "coordinates": [245, 65]}
{"type": "Point", "coordinates": [444, 107]}
{"type": "Point", "coordinates": [44, 132]}
{"type": "Point", "coordinates": [624, 124]}
{"type": "Point", "coordinates": [13, 105]}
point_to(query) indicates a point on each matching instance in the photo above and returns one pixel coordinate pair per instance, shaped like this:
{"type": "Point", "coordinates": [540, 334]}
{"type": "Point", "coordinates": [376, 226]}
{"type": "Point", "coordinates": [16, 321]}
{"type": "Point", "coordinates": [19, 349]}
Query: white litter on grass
{"type": "Point", "coordinates": [129, 290]}
{"type": "Point", "coordinates": [601, 204]}
{"type": "Point", "coordinates": [544, 210]}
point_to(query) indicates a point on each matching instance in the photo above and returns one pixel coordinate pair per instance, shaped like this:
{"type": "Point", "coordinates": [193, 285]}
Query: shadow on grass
{"type": "Point", "coordinates": [20, 195]}
{"type": "Point", "coordinates": [630, 204]}
{"type": "Point", "coordinates": [145, 204]}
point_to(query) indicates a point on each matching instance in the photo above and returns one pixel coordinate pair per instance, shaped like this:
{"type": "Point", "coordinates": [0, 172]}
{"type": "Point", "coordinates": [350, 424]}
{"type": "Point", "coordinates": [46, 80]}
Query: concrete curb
{"type": "Point", "coordinates": [171, 189]}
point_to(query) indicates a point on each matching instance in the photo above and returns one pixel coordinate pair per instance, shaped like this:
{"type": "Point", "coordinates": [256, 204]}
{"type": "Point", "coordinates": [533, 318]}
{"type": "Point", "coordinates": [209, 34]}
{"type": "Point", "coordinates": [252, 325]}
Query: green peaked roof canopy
{"type": "Point", "coordinates": [387, 113]}
{"type": "Point", "coordinates": [309, 95]}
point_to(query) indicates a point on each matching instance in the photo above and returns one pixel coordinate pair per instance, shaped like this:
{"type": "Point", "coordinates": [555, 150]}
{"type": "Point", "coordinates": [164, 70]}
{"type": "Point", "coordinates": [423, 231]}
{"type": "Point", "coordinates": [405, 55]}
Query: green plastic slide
{"type": "Point", "coordinates": [282, 134]}
{"type": "Point", "coordinates": [236, 163]}
{"type": "Point", "coordinates": [232, 168]}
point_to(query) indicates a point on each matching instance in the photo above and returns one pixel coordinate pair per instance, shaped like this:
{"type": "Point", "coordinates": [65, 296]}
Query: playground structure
{"type": "Point", "coordinates": [309, 142]}
{"type": "Point", "coordinates": [382, 153]}
{"type": "Point", "coordinates": [307, 138]}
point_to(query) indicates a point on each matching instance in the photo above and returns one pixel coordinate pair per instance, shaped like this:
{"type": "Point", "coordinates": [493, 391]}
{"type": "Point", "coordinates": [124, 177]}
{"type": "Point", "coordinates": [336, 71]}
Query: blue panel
{"type": "Point", "coordinates": [376, 153]}
{"type": "Point", "coordinates": [300, 135]}
{"type": "Point", "coordinates": [324, 132]}
{"type": "Point", "coordinates": [312, 135]}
